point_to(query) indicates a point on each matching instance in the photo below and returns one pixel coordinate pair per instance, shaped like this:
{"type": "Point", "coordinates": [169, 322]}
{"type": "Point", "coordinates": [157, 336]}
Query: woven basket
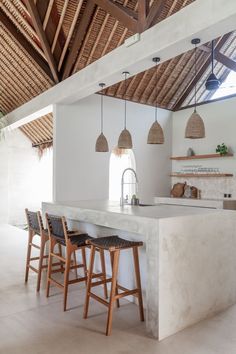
{"type": "Point", "coordinates": [101, 144]}
{"type": "Point", "coordinates": [155, 135]}
{"type": "Point", "coordinates": [125, 140]}
{"type": "Point", "coordinates": [195, 128]}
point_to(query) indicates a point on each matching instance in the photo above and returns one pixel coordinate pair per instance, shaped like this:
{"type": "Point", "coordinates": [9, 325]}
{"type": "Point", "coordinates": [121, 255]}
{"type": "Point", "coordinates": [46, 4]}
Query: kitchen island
{"type": "Point", "coordinates": [188, 264]}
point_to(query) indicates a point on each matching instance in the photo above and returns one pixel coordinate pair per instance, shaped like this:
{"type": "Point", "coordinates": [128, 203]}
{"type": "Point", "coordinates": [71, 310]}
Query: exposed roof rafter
{"type": "Point", "coordinates": [4, 20]}
{"type": "Point", "coordinates": [31, 6]}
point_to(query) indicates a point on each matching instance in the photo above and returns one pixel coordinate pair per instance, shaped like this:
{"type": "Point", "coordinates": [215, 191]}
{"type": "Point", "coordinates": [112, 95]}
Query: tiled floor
{"type": "Point", "coordinates": [32, 324]}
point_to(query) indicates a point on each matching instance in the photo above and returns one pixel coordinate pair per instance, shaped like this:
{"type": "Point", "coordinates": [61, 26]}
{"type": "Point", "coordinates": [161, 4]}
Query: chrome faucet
{"type": "Point", "coordinates": [122, 200]}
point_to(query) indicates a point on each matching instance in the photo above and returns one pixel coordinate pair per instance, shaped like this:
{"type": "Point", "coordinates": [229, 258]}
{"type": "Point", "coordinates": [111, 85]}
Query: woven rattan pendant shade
{"type": "Point", "coordinates": [125, 140]}
{"type": "Point", "coordinates": [101, 144]}
{"type": "Point", "coordinates": [155, 135]}
{"type": "Point", "coordinates": [195, 128]}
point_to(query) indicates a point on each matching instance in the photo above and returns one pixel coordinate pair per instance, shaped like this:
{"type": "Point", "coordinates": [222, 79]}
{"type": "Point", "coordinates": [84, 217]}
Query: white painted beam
{"type": "Point", "coordinates": [206, 19]}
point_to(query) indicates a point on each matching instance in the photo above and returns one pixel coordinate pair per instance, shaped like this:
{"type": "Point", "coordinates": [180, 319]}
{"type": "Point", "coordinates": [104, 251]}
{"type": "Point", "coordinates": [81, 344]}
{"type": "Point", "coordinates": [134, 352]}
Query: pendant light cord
{"type": "Point", "coordinates": [195, 74]}
{"type": "Point", "coordinates": [156, 92]}
{"type": "Point", "coordinates": [212, 56]}
{"type": "Point", "coordinates": [125, 97]}
{"type": "Point", "coordinates": [101, 112]}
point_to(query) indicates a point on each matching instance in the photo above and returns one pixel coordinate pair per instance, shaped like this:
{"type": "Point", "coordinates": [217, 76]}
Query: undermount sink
{"type": "Point", "coordinates": [146, 205]}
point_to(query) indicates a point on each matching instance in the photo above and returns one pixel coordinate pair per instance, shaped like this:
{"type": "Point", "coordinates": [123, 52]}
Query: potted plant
{"type": "Point", "coordinates": [222, 149]}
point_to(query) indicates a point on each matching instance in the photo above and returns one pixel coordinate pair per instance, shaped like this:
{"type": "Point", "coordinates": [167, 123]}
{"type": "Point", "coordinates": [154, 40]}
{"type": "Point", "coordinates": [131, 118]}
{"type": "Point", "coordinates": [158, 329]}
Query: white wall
{"type": "Point", "coordinates": [25, 180]}
{"type": "Point", "coordinates": [220, 125]}
{"type": "Point", "coordinates": [81, 173]}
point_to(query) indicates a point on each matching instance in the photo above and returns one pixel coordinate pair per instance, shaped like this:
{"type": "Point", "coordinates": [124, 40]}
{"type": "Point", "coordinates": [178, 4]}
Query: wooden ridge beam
{"type": "Point", "coordinates": [79, 38]}
{"type": "Point", "coordinates": [200, 73]}
{"type": "Point", "coordinates": [31, 6]}
{"type": "Point", "coordinates": [127, 17]}
{"type": "Point", "coordinates": [19, 37]}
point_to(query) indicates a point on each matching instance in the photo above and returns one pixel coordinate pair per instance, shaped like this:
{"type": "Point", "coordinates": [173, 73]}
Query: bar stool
{"type": "Point", "coordinates": [114, 245]}
{"type": "Point", "coordinates": [72, 241]}
{"type": "Point", "coordinates": [36, 228]}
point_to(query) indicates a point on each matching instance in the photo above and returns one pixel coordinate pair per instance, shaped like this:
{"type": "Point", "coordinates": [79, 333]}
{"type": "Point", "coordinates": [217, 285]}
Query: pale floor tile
{"type": "Point", "coordinates": [32, 324]}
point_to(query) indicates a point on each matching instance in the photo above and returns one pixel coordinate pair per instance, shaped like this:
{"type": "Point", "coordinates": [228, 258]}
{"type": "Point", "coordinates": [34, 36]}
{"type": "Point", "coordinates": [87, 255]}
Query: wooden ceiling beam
{"type": "Point", "coordinates": [143, 10]}
{"type": "Point", "coordinates": [220, 57]}
{"type": "Point", "coordinates": [125, 16]}
{"type": "Point", "coordinates": [19, 37]}
{"type": "Point", "coordinates": [154, 13]}
{"type": "Point", "coordinates": [43, 39]}
{"type": "Point", "coordinates": [200, 73]}
{"type": "Point", "coordinates": [226, 61]}
{"type": "Point", "coordinates": [79, 37]}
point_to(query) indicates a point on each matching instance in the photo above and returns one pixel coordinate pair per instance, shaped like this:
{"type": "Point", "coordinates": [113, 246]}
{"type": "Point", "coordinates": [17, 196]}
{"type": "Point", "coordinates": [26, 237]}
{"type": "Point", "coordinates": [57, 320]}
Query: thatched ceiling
{"type": "Point", "coordinates": [45, 41]}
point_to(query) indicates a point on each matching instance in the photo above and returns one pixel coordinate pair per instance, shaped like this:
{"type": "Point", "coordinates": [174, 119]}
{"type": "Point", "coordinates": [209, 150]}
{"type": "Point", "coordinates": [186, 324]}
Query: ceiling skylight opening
{"type": "Point", "coordinates": [227, 88]}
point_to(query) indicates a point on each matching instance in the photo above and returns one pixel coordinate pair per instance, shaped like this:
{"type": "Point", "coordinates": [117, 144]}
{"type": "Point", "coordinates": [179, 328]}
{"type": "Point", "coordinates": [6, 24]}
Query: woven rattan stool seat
{"type": "Point", "coordinates": [113, 243]}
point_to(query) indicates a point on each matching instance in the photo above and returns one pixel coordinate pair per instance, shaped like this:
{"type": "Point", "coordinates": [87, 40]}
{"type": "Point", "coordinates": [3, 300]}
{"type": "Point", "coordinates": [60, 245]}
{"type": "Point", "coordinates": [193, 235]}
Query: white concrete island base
{"type": "Point", "coordinates": [190, 256]}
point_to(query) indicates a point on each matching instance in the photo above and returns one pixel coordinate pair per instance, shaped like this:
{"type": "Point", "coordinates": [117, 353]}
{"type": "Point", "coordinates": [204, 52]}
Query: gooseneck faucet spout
{"type": "Point", "coordinates": [122, 201]}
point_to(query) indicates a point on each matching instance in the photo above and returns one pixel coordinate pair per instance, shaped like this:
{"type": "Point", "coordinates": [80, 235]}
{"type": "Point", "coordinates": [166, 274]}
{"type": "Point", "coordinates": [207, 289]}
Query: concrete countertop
{"type": "Point", "coordinates": [160, 211]}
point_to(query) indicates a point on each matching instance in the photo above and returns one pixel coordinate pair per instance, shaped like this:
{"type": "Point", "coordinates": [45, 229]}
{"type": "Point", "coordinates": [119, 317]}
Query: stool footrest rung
{"type": "Point", "coordinates": [59, 285]}
{"type": "Point", "coordinates": [99, 299]}
{"type": "Point", "coordinates": [98, 275]}
{"type": "Point", "coordinates": [77, 280]}
{"type": "Point", "coordinates": [58, 257]}
{"type": "Point", "coordinates": [60, 270]}
{"type": "Point", "coordinates": [32, 268]}
{"type": "Point", "coordinates": [34, 245]}
{"type": "Point", "coordinates": [77, 266]}
{"type": "Point", "coordinates": [127, 293]}
{"type": "Point", "coordinates": [101, 282]}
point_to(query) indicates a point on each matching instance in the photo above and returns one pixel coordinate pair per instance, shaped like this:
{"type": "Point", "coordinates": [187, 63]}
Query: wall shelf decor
{"type": "Point", "coordinates": [197, 175]}
{"type": "Point", "coordinates": [199, 157]}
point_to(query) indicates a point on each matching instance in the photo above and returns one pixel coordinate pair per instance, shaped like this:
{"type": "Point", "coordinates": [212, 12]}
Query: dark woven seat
{"type": "Point", "coordinates": [113, 242]}
{"type": "Point", "coordinates": [77, 239]}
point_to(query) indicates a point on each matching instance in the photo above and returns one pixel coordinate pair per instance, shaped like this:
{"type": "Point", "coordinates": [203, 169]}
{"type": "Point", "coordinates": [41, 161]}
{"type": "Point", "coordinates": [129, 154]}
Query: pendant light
{"type": "Point", "coordinates": [101, 143]}
{"type": "Point", "coordinates": [125, 139]}
{"type": "Point", "coordinates": [195, 128]}
{"type": "Point", "coordinates": [155, 135]}
{"type": "Point", "coordinates": [212, 82]}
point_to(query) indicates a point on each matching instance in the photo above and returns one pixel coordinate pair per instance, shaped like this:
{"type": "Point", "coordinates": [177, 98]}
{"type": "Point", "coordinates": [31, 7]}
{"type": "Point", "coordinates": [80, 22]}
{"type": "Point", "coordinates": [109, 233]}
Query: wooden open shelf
{"type": "Point", "coordinates": [201, 175]}
{"type": "Point", "coordinates": [198, 157]}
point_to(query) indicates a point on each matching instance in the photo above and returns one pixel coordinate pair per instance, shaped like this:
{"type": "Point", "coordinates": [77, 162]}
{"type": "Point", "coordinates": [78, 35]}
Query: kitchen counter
{"type": "Point", "coordinates": [188, 261]}
{"type": "Point", "coordinates": [203, 203]}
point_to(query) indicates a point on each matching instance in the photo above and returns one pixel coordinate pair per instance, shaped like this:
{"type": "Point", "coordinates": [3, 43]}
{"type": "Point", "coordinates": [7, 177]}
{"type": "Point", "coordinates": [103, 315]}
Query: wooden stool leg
{"type": "Point", "coordinates": [89, 281]}
{"type": "Point", "coordinates": [138, 282]}
{"type": "Point", "coordinates": [103, 267]}
{"type": "Point", "coordinates": [112, 261]}
{"type": "Point", "coordinates": [52, 244]}
{"type": "Point", "coordinates": [30, 238]}
{"type": "Point", "coordinates": [60, 254]}
{"type": "Point", "coordinates": [42, 247]}
{"type": "Point", "coordinates": [113, 291]}
{"type": "Point", "coordinates": [83, 251]}
{"type": "Point", "coordinates": [66, 276]}
{"type": "Point", "coordinates": [75, 263]}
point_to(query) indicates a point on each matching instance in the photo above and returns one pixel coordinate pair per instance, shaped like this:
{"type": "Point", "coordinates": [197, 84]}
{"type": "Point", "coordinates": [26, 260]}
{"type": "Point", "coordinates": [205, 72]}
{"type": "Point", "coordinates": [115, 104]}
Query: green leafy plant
{"type": "Point", "coordinates": [222, 149]}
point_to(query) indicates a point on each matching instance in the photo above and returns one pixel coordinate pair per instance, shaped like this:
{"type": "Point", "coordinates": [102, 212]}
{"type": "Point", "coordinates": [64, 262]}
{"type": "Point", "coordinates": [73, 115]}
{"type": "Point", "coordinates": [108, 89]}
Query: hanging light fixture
{"type": "Point", "coordinates": [125, 139]}
{"type": "Point", "coordinates": [195, 128]}
{"type": "Point", "coordinates": [212, 82]}
{"type": "Point", "coordinates": [101, 143]}
{"type": "Point", "coordinates": [155, 135]}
